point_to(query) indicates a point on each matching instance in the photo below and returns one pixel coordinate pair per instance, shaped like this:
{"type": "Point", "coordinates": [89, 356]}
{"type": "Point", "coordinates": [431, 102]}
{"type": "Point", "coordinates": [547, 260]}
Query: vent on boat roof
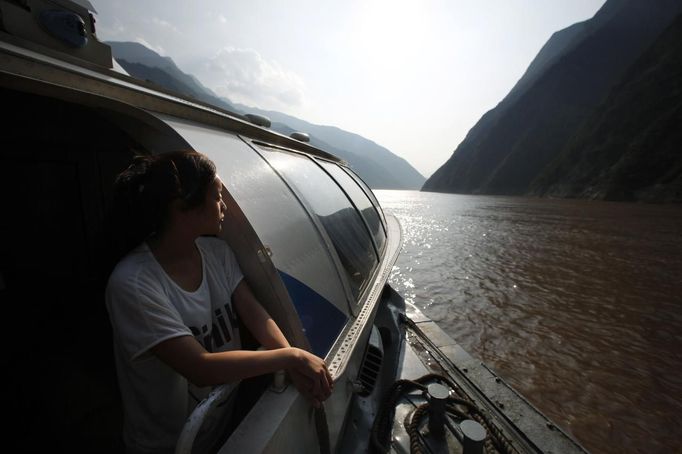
{"type": "Point", "coordinates": [300, 136]}
{"type": "Point", "coordinates": [258, 120]}
{"type": "Point", "coordinates": [371, 364]}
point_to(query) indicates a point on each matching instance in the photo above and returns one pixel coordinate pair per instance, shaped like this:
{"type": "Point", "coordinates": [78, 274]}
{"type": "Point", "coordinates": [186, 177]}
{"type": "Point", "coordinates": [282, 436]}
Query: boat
{"type": "Point", "coordinates": [309, 234]}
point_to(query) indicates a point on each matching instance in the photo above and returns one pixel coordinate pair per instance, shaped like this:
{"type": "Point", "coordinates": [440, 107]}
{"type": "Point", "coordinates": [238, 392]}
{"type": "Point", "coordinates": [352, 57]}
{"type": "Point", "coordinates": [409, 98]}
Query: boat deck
{"type": "Point", "coordinates": [427, 355]}
{"type": "Point", "coordinates": [507, 416]}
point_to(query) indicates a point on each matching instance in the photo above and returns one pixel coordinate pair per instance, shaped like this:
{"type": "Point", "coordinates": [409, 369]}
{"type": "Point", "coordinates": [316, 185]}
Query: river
{"type": "Point", "coordinates": [577, 304]}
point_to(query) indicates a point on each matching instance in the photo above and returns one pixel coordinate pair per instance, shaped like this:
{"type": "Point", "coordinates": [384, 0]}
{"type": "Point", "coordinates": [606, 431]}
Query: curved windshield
{"type": "Point", "coordinates": [297, 249]}
{"type": "Point", "coordinates": [361, 202]}
{"type": "Point", "coordinates": [369, 193]}
{"type": "Point", "coordinates": [345, 228]}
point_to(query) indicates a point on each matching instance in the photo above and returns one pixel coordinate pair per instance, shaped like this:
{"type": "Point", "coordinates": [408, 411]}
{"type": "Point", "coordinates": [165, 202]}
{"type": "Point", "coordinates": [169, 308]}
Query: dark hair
{"type": "Point", "coordinates": [144, 191]}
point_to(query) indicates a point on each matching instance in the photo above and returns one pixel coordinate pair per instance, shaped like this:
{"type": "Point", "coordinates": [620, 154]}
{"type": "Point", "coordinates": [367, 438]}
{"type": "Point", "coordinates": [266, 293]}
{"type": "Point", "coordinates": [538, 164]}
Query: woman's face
{"type": "Point", "coordinates": [211, 214]}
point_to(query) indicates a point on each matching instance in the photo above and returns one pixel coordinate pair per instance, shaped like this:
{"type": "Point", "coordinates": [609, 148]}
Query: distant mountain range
{"type": "Point", "coordinates": [380, 168]}
{"type": "Point", "coordinates": [596, 115]}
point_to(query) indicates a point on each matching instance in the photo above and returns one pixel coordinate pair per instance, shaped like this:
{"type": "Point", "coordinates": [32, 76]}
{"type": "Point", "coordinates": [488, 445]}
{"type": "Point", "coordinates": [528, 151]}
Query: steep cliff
{"type": "Point", "coordinates": [512, 145]}
{"type": "Point", "coordinates": [630, 148]}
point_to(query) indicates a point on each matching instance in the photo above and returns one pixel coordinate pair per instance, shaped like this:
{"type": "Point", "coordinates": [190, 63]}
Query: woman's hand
{"type": "Point", "coordinates": [308, 372]}
{"type": "Point", "coordinates": [310, 375]}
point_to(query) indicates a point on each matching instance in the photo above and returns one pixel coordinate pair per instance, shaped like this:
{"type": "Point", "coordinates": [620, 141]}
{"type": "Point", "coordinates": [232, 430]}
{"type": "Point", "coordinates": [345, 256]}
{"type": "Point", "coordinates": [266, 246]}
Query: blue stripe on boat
{"type": "Point", "coordinates": [321, 320]}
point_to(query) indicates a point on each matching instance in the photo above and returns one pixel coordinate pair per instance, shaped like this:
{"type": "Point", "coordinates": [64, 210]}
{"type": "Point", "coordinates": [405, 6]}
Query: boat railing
{"type": "Point", "coordinates": [207, 412]}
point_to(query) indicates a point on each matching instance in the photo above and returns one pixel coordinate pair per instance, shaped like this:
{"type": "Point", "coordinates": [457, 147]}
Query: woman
{"type": "Point", "coordinates": [175, 298]}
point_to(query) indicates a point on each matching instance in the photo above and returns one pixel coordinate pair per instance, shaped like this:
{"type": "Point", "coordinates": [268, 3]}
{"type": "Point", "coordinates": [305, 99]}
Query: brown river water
{"type": "Point", "coordinates": [576, 304]}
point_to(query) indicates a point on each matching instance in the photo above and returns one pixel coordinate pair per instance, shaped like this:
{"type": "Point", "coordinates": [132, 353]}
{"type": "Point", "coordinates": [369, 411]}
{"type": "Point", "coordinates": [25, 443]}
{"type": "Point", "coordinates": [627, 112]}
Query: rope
{"type": "Point", "coordinates": [412, 427]}
{"type": "Point", "coordinates": [495, 441]}
{"type": "Point", "coordinates": [381, 429]}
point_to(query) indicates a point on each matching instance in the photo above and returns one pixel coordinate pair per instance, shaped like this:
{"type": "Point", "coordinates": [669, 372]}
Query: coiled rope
{"type": "Point", "coordinates": [495, 441]}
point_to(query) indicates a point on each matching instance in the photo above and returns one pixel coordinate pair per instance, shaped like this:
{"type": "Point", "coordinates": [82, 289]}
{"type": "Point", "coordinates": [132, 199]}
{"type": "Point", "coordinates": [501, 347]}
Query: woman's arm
{"type": "Point", "coordinates": [256, 318]}
{"type": "Point", "coordinates": [316, 386]}
{"type": "Point", "coordinates": [189, 358]}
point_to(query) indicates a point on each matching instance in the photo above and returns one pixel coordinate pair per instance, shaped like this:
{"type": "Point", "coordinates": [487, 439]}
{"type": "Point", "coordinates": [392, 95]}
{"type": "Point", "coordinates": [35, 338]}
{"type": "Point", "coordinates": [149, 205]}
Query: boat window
{"type": "Point", "coordinates": [361, 202]}
{"type": "Point", "coordinates": [369, 193]}
{"type": "Point", "coordinates": [297, 249]}
{"type": "Point", "coordinates": [339, 218]}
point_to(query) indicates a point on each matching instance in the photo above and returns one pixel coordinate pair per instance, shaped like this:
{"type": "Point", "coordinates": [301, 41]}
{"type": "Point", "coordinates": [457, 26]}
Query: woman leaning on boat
{"type": "Point", "coordinates": [174, 300]}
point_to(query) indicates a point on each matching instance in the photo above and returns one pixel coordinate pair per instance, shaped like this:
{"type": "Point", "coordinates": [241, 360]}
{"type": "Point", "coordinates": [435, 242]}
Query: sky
{"type": "Point", "coordinates": [413, 76]}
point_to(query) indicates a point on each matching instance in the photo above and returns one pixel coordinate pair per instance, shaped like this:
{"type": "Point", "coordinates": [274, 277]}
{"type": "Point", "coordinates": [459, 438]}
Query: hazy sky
{"type": "Point", "coordinates": [413, 76]}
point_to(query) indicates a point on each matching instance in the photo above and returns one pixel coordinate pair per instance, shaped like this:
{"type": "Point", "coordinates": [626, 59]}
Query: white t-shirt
{"type": "Point", "coordinates": [147, 307]}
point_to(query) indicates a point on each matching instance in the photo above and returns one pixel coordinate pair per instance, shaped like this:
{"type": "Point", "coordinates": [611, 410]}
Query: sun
{"type": "Point", "coordinates": [387, 33]}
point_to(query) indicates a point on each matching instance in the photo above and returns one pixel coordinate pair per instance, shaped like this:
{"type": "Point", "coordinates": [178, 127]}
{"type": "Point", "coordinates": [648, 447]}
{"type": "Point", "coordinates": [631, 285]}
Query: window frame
{"type": "Point", "coordinates": [262, 148]}
{"type": "Point", "coordinates": [377, 251]}
{"type": "Point", "coordinates": [370, 195]}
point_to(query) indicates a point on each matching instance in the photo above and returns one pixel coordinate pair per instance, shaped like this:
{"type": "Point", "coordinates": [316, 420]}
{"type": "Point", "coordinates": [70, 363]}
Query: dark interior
{"type": "Point", "coordinates": [57, 167]}
{"type": "Point", "coordinates": [58, 164]}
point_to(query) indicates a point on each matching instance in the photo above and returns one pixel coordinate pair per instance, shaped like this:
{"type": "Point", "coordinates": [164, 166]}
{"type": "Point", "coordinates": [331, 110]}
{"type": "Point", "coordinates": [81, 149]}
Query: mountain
{"type": "Point", "coordinates": [630, 147]}
{"type": "Point", "coordinates": [143, 63]}
{"type": "Point", "coordinates": [516, 142]}
{"type": "Point", "coordinates": [376, 165]}
{"type": "Point", "coordinates": [367, 158]}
